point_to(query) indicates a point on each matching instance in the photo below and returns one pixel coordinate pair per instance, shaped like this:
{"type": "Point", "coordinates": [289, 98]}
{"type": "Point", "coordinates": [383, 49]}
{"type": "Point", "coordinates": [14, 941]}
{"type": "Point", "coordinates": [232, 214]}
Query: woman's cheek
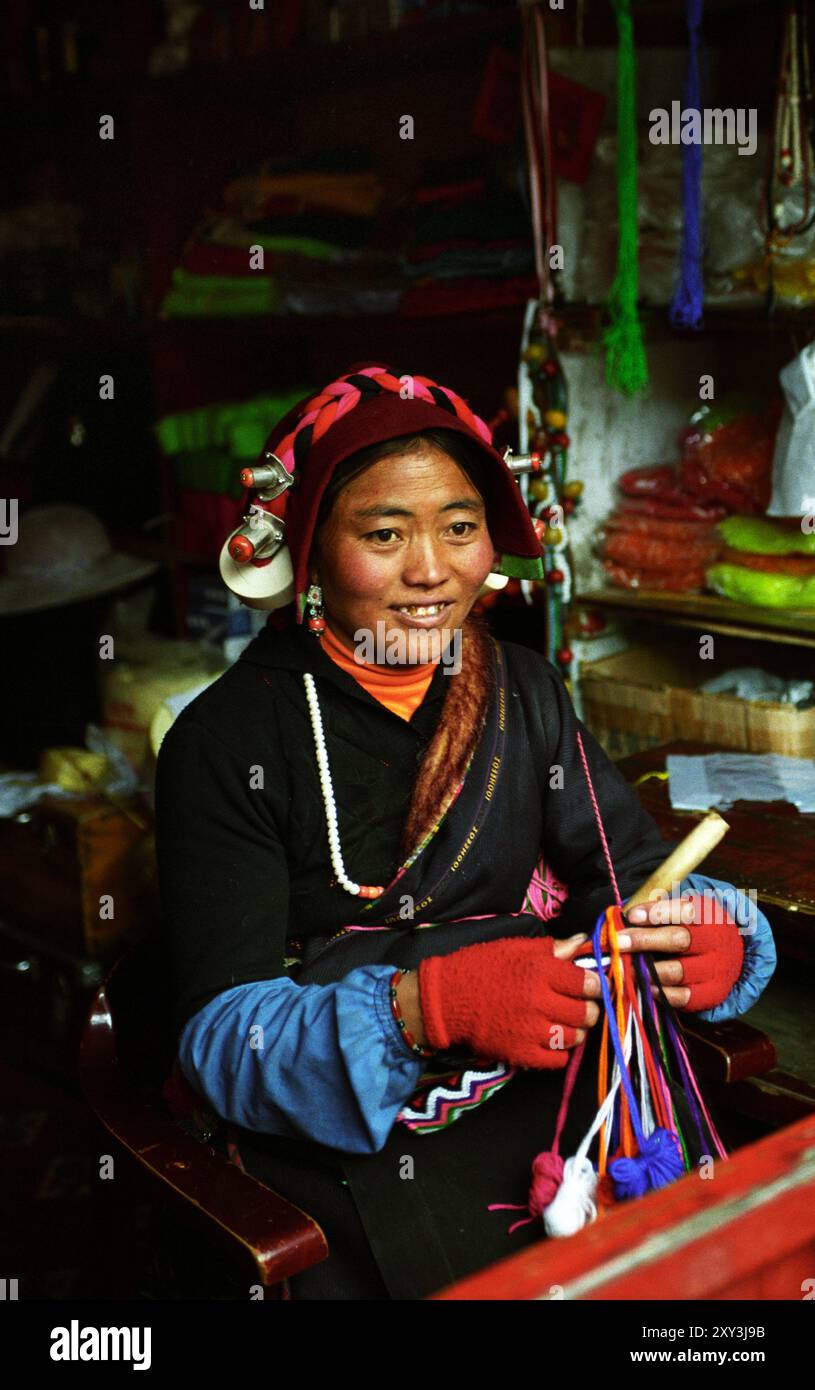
{"type": "Point", "coordinates": [478, 561]}
{"type": "Point", "coordinates": [364, 575]}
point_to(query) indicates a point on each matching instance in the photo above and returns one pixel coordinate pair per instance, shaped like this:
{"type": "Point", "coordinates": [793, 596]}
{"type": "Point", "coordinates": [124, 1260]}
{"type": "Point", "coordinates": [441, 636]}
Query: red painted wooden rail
{"type": "Point", "coordinates": [747, 1232]}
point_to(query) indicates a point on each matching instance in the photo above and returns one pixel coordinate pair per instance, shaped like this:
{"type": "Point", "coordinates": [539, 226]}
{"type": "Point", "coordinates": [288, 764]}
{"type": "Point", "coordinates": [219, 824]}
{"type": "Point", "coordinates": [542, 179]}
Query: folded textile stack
{"type": "Point", "coordinates": [289, 239]}
{"type": "Point", "coordinates": [471, 246]}
{"type": "Point", "coordinates": [770, 563]}
{"type": "Point", "coordinates": [664, 534]}
{"type": "Point", "coordinates": [208, 447]}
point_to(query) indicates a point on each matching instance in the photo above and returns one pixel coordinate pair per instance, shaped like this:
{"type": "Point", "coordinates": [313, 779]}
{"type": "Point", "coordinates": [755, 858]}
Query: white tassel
{"type": "Point", "coordinates": [573, 1205]}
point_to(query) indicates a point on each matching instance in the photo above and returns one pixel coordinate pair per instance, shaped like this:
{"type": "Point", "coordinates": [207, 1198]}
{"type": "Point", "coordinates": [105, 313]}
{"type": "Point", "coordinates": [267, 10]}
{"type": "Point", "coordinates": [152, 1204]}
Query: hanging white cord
{"type": "Point", "coordinates": [573, 1205]}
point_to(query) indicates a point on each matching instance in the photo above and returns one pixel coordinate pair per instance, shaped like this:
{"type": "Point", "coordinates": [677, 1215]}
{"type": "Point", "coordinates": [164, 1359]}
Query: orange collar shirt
{"type": "Point", "coordinates": [400, 688]}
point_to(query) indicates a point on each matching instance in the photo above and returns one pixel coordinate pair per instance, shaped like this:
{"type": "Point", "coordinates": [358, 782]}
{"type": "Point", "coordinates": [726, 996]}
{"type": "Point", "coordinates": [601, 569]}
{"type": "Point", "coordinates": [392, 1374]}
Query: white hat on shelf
{"type": "Point", "coordinates": [62, 554]}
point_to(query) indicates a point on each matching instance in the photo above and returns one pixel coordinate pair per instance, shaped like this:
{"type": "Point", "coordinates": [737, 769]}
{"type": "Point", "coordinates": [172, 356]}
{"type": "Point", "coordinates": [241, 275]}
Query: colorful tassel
{"type": "Point", "coordinates": [646, 1141]}
{"type": "Point", "coordinates": [626, 366]}
{"type": "Point", "coordinates": [686, 309]}
{"type": "Point", "coordinates": [658, 1163]}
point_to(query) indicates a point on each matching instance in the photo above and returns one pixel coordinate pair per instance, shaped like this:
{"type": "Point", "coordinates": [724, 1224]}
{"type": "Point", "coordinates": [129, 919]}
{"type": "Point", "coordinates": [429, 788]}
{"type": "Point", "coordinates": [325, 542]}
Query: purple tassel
{"type": "Point", "coordinates": [658, 1163]}
{"type": "Point", "coordinates": [688, 301]}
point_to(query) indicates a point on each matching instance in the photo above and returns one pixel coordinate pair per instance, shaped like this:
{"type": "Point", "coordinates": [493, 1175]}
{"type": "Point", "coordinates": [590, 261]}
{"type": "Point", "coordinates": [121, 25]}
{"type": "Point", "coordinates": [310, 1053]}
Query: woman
{"type": "Point", "coordinates": [326, 824]}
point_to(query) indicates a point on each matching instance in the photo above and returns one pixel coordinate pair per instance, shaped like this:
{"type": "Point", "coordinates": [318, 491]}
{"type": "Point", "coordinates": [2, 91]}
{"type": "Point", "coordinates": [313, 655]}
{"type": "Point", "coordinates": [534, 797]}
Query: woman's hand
{"type": "Point", "coordinates": [519, 1000]}
{"type": "Point", "coordinates": [667, 931]}
{"type": "Point", "coordinates": [704, 945]}
{"type": "Point", "coordinates": [567, 950]}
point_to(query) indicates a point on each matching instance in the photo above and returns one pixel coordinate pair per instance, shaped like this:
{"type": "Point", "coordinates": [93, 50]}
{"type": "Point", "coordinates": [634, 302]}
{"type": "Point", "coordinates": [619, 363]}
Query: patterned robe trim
{"type": "Point", "coordinates": [438, 1106]}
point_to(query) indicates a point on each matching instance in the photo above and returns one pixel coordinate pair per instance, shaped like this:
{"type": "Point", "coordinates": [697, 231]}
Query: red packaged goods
{"type": "Point", "coordinates": [727, 454]}
{"type": "Point", "coordinates": [800, 565]}
{"type": "Point", "coordinates": [637, 524]}
{"type": "Point", "coordinates": [688, 509]}
{"type": "Point", "coordinates": [659, 552]}
{"type": "Point", "coordinates": [648, 482]}
{"type": "Point", "coordinates": [659, 483]}
{"type": "Point", "coordinates": [686, 580]}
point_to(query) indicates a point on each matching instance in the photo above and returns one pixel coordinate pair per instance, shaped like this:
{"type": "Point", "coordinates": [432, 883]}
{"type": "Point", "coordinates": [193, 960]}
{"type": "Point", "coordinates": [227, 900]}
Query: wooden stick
{"type": "Point", "coordinates": [683, 860]}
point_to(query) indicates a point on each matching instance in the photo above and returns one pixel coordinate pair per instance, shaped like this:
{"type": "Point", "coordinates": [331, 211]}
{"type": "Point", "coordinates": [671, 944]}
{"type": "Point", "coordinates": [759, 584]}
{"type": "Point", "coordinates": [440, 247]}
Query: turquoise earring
{"type": "Point", "coordinates": [316, 621]}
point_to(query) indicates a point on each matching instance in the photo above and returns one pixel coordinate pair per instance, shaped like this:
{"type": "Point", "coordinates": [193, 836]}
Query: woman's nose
{"type": "Point", "coordinates": [425, 563]}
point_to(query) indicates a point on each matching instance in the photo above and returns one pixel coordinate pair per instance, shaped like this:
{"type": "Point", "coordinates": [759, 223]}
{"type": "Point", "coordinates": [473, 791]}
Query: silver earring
{"type": "Point", "coordinates": [316, 621]}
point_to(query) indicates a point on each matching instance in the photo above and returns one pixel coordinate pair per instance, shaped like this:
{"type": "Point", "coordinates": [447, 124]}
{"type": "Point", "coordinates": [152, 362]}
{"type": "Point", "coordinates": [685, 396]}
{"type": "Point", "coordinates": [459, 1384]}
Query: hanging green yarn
{"type": "Point", "coordinates": [626, 367]}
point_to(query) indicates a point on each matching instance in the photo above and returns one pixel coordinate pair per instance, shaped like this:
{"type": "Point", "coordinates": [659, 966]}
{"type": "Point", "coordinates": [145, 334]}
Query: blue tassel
{"type": "Point", "coordinates": [688, 301]}
{"type": "Point", "coordinates": [658, 1163]}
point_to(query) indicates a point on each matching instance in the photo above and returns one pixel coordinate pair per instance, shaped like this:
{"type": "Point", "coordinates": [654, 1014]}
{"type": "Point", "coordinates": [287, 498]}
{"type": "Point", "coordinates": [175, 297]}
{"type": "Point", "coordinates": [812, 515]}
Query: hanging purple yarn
{"type": "Point", "coordinates": [688, 300]}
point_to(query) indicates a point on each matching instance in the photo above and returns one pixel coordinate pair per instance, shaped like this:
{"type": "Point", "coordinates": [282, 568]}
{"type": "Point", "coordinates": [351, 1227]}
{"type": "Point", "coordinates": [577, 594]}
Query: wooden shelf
{"type": "Point", "coordinates": [72, 327]}
{"type": "Point", "coordinates": [578, 321]}
{"type": "Point", "coordinates": [307, 66]}
{"type": "Point", "coordinates": [585, 322]}
{"type": "Point", "coordinates": [794, 627]}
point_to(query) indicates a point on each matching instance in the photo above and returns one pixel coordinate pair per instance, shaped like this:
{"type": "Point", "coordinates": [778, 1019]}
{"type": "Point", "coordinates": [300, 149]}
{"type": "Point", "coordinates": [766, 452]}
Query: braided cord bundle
{"type": "Point", "coordinates": [626, 367]}
{"type": "Point", "coordinates": [688, 300]}
{"type": "Point", "coordinates": [642, 1145]}
{"type": "Point", "coordinates": [344, 394]}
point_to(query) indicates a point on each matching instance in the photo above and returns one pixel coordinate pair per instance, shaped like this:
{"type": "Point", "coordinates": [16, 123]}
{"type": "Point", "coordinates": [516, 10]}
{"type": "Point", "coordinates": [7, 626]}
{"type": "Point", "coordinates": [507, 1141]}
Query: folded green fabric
{"type": "Point", "coordinates": [224, 424]}
{"type": "Point", "coordinates": [763, 590]}
{"type": "Point", "coordinates": [209, 470]}
{"type": "Point", "coordinates": [762, 536]}
{"type": "Point", "coordinates": [221, 294]}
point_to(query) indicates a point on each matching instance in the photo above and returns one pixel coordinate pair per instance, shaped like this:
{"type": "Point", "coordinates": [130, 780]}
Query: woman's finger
{"type": "Point", "coordinates": [671, 939]}
{"type": "Point", "coordinates": [676, 997]}
{"type": "Point", "coordinates": [666, 911]}
{"type": "Point", "coordinates": [670, 972]}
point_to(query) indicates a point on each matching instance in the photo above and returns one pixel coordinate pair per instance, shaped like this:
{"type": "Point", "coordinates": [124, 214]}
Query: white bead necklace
{"type": "Point", "coordinates": [362, 890]}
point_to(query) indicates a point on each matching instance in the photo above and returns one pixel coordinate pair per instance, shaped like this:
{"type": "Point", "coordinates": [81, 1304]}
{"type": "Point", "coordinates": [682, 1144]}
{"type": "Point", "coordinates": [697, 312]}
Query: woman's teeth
{"type": "Point", "coordinates": [415, 611]}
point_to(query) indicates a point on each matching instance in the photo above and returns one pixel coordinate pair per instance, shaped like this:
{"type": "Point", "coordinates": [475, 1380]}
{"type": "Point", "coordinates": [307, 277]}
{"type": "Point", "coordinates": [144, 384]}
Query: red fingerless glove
{"type": "Point", "coordinates": [511, 1000]}
{"type": "Point", "coordinates": [712, 965]}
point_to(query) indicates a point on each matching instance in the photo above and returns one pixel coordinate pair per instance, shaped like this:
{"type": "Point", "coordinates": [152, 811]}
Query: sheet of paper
{"type": "Point", "coordinates": [719, 779]}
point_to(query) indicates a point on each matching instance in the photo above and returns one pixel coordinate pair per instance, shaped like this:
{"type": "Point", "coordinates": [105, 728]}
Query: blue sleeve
{"type": "Point", "coordinates": [322, 1062]}
{"type": "Point", "coordinates": [760, 957]}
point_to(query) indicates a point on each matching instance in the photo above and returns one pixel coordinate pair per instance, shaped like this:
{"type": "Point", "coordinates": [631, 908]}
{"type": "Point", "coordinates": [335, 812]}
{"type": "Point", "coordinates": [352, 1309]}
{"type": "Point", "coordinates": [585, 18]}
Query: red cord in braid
{"type": "Point", "coordinates": [599, 820]}
{"type": "Point", "coordinates": [342, 395]}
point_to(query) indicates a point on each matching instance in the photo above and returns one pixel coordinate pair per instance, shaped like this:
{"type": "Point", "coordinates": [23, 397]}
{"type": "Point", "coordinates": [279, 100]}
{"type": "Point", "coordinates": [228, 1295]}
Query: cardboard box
{"type": "Point", "coordinates": [79, 872]}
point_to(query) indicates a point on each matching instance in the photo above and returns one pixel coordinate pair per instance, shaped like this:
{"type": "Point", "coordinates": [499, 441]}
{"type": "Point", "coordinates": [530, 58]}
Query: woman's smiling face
{"type": "Point", "coordinates": [409, 532]}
